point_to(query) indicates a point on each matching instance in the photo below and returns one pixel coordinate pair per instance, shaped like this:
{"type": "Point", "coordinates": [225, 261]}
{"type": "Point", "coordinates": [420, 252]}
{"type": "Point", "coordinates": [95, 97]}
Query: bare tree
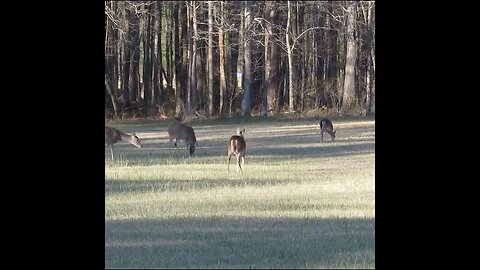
{"type": "Point", "coordinates": [267, 56]}
{"type": "Point", "coordinates": [180, 55]}
{"type": "Point", "coordinates": [147, 60]}
{"type": "Point", "coordinates": [157, 58]}
{"type": "Point", "coordinates": [221, 48]}
{"type": "Point", "coordinates": [134, 31]}
{"type": "Point", "coordinates": [248, 61]}
{"type": "Point", "coordinates": [292, 38]}
{"type": "Point", "coordinates": [369, 58]}
{"type": "Point", "coordinates": [291, 95]}
{"type": "Point", "coordinates": [191, 63]}
{"type": "Point", "coordinates": [111, 93]}
{"type": "Point", "coordinates": [296, 55]}
{"type": "Point", "coordinates": [210, 58]}
{"type": "Point", "coordinates": [197, 72]}
{"type": "Point", "coordinates": [351, 57]}
{"type": "Point", "coordinates": [274, 58]}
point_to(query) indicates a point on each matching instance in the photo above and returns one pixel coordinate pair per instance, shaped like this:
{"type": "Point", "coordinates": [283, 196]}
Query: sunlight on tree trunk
{"type": "Point", "coordinates": [351, 58]}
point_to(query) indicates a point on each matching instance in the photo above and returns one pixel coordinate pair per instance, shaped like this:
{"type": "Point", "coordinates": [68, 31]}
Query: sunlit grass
{"type": "Point", "coordinates": [299, 202]}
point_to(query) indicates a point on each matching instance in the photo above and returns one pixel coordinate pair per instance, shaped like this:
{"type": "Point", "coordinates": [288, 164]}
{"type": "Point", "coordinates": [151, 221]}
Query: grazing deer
{"type": "Point", "coordinates": [113, 135]}
{"type": "Point", "coordinates": [237, 146]}
{"type": "Point", "coordinates": [327, 126]}
{"type": "Point", "coordinates": [178, 131]}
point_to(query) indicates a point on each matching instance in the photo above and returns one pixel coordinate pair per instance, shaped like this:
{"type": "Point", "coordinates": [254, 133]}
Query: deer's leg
{"type": "Point", "coordinates": [187, 146]}
{"type": "Point", "coordinates": [321, 135]}
{"type": "Point", "coordinates": [243, 162]}
{"type": "Point", "coordinates": [175, 142]}
{"type": "Point", "coordinates": [111, 151]}
{"type": "Point", "coordinates": [238, 163]}
{"type": "Point", "coordinates": [172, 150]}
{"type": "Point", "coordinates": [228, 162]}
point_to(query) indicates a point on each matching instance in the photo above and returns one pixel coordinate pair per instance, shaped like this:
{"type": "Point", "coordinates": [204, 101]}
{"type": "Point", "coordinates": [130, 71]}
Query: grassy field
{"type": "Point", "coordinates": [299, 203]}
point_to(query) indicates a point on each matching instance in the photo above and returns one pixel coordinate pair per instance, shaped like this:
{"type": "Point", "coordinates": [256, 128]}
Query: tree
{"type": "Point", "coordinates": [197, 72]}
{"type": "Point", "coordinates": [369, 75]}
{"type": "Point", "coordinates": [191, 62]}
{"type": "Point", "coordinates": [351, 57]}
{"type": "Point", "coordinates": [297, 55]}
{"type": "Point", "coordinates": [157, 57]}
{"type": "Point", "coordinates": [274, 60]}
{"type": "Point", "coordinates": [148, 63]}
{"type": "Point", "coordinates": [180, 55]}
{"type": "Point", "coordinates": [210, 58]}
{"type": "Point", "coordinates": [221, 48]}
{"type": "Point", "coordinates": [292, 38]}
{"type": "Point", "coordinates": [267, 56]}
{"type": "Point", "coordinates": [291, 71]}
{"type": "Point", "coordinates": [134, 31]}
{"type": "Point", "coordinates": [248, 61]}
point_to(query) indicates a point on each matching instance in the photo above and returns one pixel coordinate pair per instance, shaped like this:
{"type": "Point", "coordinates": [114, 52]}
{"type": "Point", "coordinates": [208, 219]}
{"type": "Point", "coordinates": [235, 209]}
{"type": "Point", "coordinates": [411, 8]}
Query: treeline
{"type": "Point", "coordinates": [220, 58]}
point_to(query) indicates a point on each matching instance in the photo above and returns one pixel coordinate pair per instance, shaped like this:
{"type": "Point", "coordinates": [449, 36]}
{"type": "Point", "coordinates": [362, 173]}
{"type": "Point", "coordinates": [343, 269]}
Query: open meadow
{"type": "Point", "coordinates": [299, 202]}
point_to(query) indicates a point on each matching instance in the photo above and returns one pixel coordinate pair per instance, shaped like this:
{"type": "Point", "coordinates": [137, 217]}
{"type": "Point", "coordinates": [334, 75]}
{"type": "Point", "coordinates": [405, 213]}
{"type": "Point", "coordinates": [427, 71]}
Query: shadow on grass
{"type": "Point", "coordinates": [149, 154]}
{"type": "Point", "coordinates": [328, 150]}
{"type": "Point", "coordinates": [128, 186]}
{"type": "Point", "coordinates": [240, 243]}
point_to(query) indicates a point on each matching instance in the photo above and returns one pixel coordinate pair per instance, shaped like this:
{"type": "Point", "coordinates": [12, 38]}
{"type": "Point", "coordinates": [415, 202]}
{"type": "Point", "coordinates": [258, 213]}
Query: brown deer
{"type": "Point", "coordinates": [327, 126]}
{"type": "Point", "coordinates": [178, 131]}
{"type": "Point", "coordinates": [237, 146]}
{"type": "Point", "coordinates": [113, 135]}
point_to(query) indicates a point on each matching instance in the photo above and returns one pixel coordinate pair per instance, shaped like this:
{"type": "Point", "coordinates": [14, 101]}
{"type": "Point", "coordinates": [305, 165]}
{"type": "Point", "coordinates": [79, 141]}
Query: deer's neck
{"type": "Point", "coordinates": [126, 137]}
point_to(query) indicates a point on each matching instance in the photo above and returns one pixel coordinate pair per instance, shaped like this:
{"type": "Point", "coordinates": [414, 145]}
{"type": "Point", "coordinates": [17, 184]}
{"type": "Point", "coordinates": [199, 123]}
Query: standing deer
{"type": "Point", "coordinates": [327, 126]}
{"type": "Point", "coordinates": [237, 146]}
{"type": "Point", "coordinates": [113, 135]}
{"type": "Point", "coordinates": [178, 131]}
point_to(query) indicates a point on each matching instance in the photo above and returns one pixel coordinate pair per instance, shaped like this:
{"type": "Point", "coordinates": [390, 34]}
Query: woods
{"type": "Point", "coordinates": [249, 58]}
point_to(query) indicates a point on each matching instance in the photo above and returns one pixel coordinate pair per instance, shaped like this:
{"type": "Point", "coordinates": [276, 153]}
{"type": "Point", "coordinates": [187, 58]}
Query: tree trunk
{"type": "Point", "coordinates": [221, 48]}
{"type": "Point", "coordinates": [196, 71]}
{"type": "Point", "coordinates": [320, 58]}
{"type": "Point", "coordinates": [135, 58]}
{"type": "Point", "coordinates": [111, 93]}
{"type": "Point", "coordinates": [232, 45]}
{"type": "Point", "coordinates": [303, 56]}
{"type": "Point", "coordinates": [241, 48]}
{"type": "Point", "coordinates": [272, 84]}
{"type": "Point", "coordinates": [110, 57]}
{"type": "Point", "coordinates": [210, 59]}
{"type": "Point", "coordinates": [180, 56]}
{"type": "Point", "coordinates": [291, 95]}
{"type": "Point", "coordinates": [248, 62]}
{"type": "Point", "coordinates": [190, 57]}
{"type": "Point", "coordinates": [369, 60]}
{"type": "Point", "coordinates": [147, 66]}
{"type": "Point", "coordinates": [157, 72]}
{"type": "Point", "coordinates": [126, 97]}
{"type": "Point", "coordinates": [351, 57]}
{"type": "Point", "coordinates": [267, 56]}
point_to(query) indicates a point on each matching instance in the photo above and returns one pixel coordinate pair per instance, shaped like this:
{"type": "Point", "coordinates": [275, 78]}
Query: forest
{"type": "Point", "coordinates": [246, 58]}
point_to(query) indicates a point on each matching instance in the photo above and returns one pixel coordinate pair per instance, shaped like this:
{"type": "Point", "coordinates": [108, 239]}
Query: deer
{"type": "Point", "coordinates": [327, 126]}
{"type": "Point", "coordinates": [237, 146]}
{"type": "Point", "coordinates": [178, 131]}
{"type": "Point", "coordinates": [113, 135]}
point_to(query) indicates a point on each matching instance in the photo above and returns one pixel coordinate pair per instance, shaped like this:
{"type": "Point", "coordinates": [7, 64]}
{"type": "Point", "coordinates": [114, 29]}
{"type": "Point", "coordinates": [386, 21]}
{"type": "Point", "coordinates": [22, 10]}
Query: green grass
{"type": "Point", "coordinates": [299, 203]}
